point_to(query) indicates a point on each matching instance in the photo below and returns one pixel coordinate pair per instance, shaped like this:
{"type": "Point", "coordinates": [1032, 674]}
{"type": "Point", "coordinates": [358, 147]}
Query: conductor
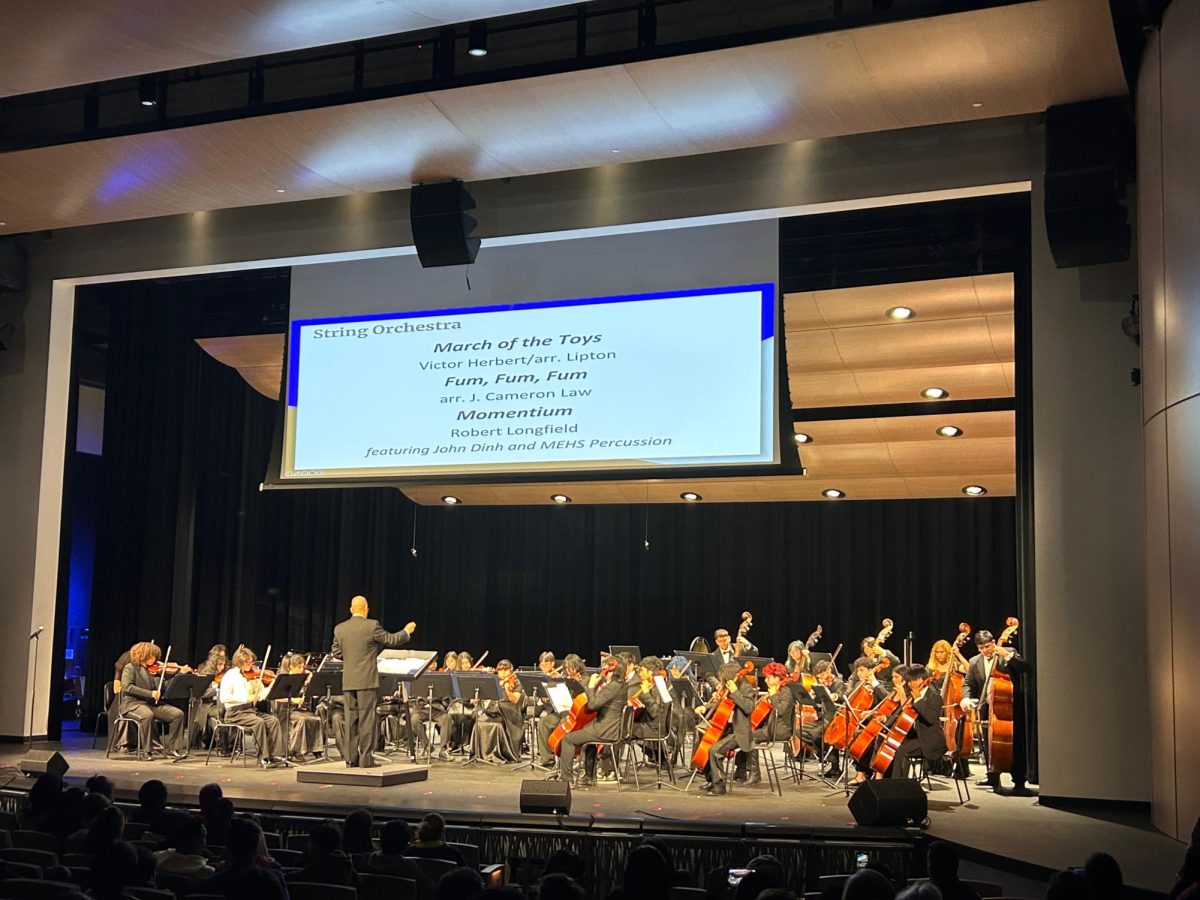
{"type": "Point", "coordinates": [358, 641]}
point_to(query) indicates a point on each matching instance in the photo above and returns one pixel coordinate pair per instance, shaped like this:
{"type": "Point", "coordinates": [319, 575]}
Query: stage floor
{"type": "Point", "coordinates": [991, 828]}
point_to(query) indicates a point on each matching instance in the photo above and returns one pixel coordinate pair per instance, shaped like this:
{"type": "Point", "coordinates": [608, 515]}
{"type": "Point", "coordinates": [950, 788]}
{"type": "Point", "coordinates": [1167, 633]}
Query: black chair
{"type": "Point", "coordinates": [35, 888]}
{"type": "Point", "coordinates": [237, 746]}
{"type": "Point", "coordinates": [103, 714]}
{"type": "Point", "coordinates": [149, 893]}
{"type": "Point", "coordinates": [9, 821]}
{"type": "Point", "coordinates": [470, 853]}
{"type": "Point", "coordinates": [434, 868]}
{"type": "Point", "coordinates": [36, 840]}
{"type": "Point", "coordinates": [304, 890]}
{"type": "Point", "coordinates": [386, 887]}
{"type": "Point", "coordinates": [40, 858]}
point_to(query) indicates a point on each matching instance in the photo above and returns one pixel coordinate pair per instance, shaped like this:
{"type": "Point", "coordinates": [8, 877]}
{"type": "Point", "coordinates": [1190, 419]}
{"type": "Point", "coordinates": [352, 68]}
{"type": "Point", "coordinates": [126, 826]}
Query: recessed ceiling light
{"type": "Point", "coordinates": [974, 490]}
{"type": "Point", "coordinates": [450, 500]}
{"type": "Point", "coordinates": [477, 38]}
{"type": "Point", "coordinates": [2, 224]}
{"type": "Point", "coordinates": [802, 438]}
{"type": "Point", "coordinates": [616, 149]}
{"type": "Point", "coordinates": [280, 191]}
{"type": "Point", "coordinates": [935, 393]}
{"type": "Point", "coordinates": [690, 496]}
{"type": "Point", "coordinates": [833, 494]}
{"type": "Point", "coordinates": [148, 91]}
{"type": "Point", "coordinates": [949, 431]}
{"type": "Point", "coordinates": [560, 498]}
{"type": "Point", "coordinates": [900, 313]}
{"type": "Point", "coordinates": [977, 104]}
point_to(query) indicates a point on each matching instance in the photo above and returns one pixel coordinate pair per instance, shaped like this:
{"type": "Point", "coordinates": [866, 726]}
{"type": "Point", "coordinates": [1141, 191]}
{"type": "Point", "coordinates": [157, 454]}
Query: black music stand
{"type": "Point", "coordinates": [476, 686]}
{"type": "Point", "coordinates": [632, 649]}
{"type": "Point", "coordinates": [430, 687]}
{"type": "Point", "coordinates": [704, 665]}
{"type": "Point", "coordinates": [186, 688]}
{"type": "Point", "coordinates": [288, 687]}
{"type": "Point", "coordinates": [325, 684]}
{"type": "Point", "coordinates": [534, 685]}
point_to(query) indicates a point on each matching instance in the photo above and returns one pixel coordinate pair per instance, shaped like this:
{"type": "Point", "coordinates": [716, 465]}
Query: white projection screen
{"type": "Point", "coordinates": [648, 352]}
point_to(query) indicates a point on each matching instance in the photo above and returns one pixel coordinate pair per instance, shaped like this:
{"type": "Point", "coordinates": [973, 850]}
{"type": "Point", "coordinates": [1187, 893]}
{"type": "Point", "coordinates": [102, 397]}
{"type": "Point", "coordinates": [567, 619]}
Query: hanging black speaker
{"type": "Point", "coordinates": [891, 801]}
{"type": "Point", "coordinates": [1089, 158]}
{"type": "Point", "coordinates": [441, 227]}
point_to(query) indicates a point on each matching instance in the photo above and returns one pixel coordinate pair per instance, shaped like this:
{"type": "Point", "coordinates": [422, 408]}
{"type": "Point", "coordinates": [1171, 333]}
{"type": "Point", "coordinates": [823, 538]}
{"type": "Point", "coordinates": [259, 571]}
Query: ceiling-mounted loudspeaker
{"type": "Point", "coordinates": [12, 266]}
{"type": "Point", "coordinates": [1089, 159]}
{"type": "Point", "coordinates": [441, 227]}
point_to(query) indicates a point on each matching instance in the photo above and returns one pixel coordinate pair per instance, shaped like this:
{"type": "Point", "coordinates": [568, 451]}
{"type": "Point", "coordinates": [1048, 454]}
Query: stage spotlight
{"type": "Point", "coordinates": [802, 438]}
{"type": "Point", "coordinates": [900, 313]}
{"type": "Point", "coordinates": [560, 498]}
{"type": "Point", "coordinates": [974, 490]}
{"type": "Point", "coordinates": [690, 496]}
{"type": "Point", "coordinates": [833, 494]}
{"type": "Point", "coordinates": [949, 431]}
{"type": "Point", "coordinates": [477, 38]}
{"type": "Point", "coordinates": [450, 500]}
{"type": "Point", "coordinates": [935, 393]}
{"type": "Point", "coordinates": [148, 90]}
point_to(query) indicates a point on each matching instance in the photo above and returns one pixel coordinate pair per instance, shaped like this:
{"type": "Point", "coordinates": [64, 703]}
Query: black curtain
{"type": "Point", "coordinates": [191, 552]}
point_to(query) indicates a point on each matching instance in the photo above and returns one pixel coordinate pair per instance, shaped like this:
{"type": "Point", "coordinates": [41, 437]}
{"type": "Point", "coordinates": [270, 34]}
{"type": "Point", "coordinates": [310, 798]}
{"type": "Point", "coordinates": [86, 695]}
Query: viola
{"type": "Point", "coordinates": [266, 676]}
{"type": "Point", "coordinates": [157, 668]}
{"type": "Point", "coordinates": [1000, 709]}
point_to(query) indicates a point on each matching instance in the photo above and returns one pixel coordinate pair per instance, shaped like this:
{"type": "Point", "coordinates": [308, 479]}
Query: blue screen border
{"type": "Point", "coordinates": [765, 289]}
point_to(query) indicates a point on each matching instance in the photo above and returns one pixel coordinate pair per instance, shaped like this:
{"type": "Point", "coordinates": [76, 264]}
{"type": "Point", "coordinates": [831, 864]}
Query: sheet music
{"type": "Point", "coordinates": [390, 665]}
{"type": "Point", "coordinates": [663, 691]}
{"type": "Point", "coordinates": [560, 697]}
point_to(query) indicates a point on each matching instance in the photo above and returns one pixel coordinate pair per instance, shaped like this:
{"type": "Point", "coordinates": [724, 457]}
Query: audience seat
{"type": "Point", "coordinates": [470, 853]}
{"type": "Point", "coordinates": [83, 860]}
{"type": "Point", "coordinates": [29, 856]}
{"type": "Point", "coordinates": [987, 890]}
{"type": "Point", "coordinates": [133, 830]}
{"type": "Point", "coordinates": [297, 842]}
{"type": "Point", "coordinates": [386, 887]}
{"type": "Point", "coordinates": [5, 839]}
{"type": "Point", "coordinates": [306, 890]}
{"type": "Point", "coordinates": [35, 888]}
{"type": "Point", "coordinates": [22, 869]}
{"type": "Point", "coordinates": [36, 840]}
{"type": "Point", "coordinates": [434, 868]}
{"type": "Point", "coordinates": [149, 893]}
{"type": "Point", "coordinates": [179, 885]}
{"type": "Point", "coordinates": [688, 893]}
{"type": "Point", "coordinates": [9, 821]}
{"type": "Point", "coordinates": [287, 858]}
{"type": "Point", "coordinates": [274, 840]}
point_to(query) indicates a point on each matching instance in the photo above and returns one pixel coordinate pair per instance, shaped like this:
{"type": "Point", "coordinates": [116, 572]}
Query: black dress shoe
{"type": "Point", "coordinates": [986, 782]}
{"type": "Point", "coordinates": [718, 790]}
{"type": "Point", "coordinates": [178, 754]}
{"type": "Point", "coordinates": [739, 775]}
{"type": "Point", "coordinates": [831, 772]}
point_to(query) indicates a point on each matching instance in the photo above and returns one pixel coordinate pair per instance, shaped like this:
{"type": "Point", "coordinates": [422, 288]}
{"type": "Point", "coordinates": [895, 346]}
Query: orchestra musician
{"type": "Point", "coordinates": [976, 694]}
{"type": "Point", "coordinates": [304, 731]}
{"type": "Point", "coordinates": [606, 698]}
{"type": "Point", "coordinates": [204, 712]}
{"type": "Point", "coordinates": [926, 739]}
{"type": "Point", "coordinates": [501, 724]}
{"type": "Point", "coordinates": [140, 698]}
{"type": "Point", "coordinates": [944, 657]}
{"type": "Point", "coordinates": [737, 732]}
{"type": "Point", "coordinates": [826, 695]}
{"type": "Point", "coordinates": [798, 659]}
{"type": "Point", "coordinates": [547, 663]}
{"type": "Point", "coordinates": [457, 722]}
{"type": "Point", "coordinates": [331, 711]}
{"type": "Point", "coordinates": [876, 652]}
{"type": "Point", "coordinates": [358, 641]}
{"type": "Point", "coordinates": [549, 719]}
{"type": "Point", "coordinates": [650, 720]}
{"type": "Point", "coordinates": [776, 727]}
{"type": "Point", "coordinates": [725, 651]}
{"type": "Point", "coordinates": [864, 674]}
{"type": "Point", "coordinates": [239, 696]}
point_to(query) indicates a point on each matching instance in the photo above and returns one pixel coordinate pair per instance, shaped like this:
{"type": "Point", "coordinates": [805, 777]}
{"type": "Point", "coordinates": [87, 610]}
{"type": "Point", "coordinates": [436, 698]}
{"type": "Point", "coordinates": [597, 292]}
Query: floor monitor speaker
{"type": "Point", "coordinates": [892, 801]}
{"type": "Point", "coordinates": [42, 762]}
{"type": "Point", "coordinates": [552, 797]}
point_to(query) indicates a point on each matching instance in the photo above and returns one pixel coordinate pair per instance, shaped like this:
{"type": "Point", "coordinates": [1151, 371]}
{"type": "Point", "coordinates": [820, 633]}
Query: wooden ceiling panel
{"type": "Point", "coordinates": [1001, 423]}
{"type": "Point", "coordinates": [951, 457]}
{"type": "Point", "coordinates": [1002, 331]}
{"type": "Point", "coordinates": [914, 344]}
{"type": "Point", "coordinates": [825, 389]}
{"type": "Point", "coordinates": [863, 80]}
{"type": "Point", "coordinates": [814, 351]}
{"type": "Point", "coordinates": [246, 350]}
{"type": "Point", "coordinates": [840, 431]}
{"type": "Point", "coordinates": [905, 385]}
{"type": "Point", "coordinates": [848, 461]}
{"type": "Point", "coordinates": [997, 485]}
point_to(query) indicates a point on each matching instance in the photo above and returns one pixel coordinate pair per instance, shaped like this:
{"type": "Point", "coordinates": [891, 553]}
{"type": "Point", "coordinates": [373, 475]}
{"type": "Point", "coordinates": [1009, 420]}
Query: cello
{"type": "Point", "coordinates": [847, 721]}
{"type": "Point", "coordinates": [1000, 709]}
{"type": "Point", "coordinates": [719, 721]}
{"type": "Point", "coordinates": [578, 715]}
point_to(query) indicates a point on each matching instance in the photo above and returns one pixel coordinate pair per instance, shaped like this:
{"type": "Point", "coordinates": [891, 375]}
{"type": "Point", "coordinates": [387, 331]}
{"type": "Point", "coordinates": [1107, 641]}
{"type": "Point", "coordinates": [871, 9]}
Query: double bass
{"type": "Point", "coordinates": [952, 694]}
{"type": "Point", "coordinates": [1000, 709]}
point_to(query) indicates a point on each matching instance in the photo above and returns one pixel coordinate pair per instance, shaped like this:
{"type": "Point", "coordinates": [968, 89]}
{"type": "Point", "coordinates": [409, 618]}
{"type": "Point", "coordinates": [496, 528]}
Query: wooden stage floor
{"type": "Point", "coordinates": [1007, 833]}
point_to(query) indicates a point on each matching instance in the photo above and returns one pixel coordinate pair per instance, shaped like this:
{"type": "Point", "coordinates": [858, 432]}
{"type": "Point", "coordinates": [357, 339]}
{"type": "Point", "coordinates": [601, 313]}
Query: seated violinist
{"type": "Point", "coordinates": [239, 696]}
{"type": "Point", "coordinates": [926, 738]}
{"type": "Point", "coordinates": [650, 713]}
{"type": "Point", "coordinates": [776, 727]}
{"type": "Point", "coordinates": [140, 698]}
{"type": "Point", "coordinates": [305, 734]}
{"type": "Point", "coordinates": [501, 724]}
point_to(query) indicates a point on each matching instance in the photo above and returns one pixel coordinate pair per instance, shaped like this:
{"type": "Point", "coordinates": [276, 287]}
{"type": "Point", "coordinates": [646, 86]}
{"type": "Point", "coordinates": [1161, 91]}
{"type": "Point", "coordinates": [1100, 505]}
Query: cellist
{"type": "Point", "coordinates": [607, 699]}
{"type": "Point", "coordinates": [572, 671]}
{"type": "Point", "coordinates": [925, 738]}
{"type": "Point", "coordinates": [737, 731]}
{"type": "Point", "coordinates": [990, 659]}
{"type": "Point", "coordinates": [782, 709]}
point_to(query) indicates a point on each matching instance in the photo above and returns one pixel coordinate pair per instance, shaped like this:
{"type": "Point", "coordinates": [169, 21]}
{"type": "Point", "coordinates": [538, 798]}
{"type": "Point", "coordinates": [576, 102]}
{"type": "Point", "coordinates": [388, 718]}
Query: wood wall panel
{"type": "Point", "coordinates": [1160, 647]}
{"type": "Point", "coordinates": [1150, 234]}
{"type": "Point", "coordinates": [1181, 223]}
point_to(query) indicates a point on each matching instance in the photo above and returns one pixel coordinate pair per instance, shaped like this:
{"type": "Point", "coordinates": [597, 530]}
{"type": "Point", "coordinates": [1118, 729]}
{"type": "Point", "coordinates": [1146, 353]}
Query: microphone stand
{"type": "Point", "coordinates": [36, 637]}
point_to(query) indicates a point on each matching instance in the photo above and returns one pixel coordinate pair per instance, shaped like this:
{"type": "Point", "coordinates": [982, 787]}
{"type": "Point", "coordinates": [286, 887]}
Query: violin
{"type": "Point", "coordinates": [169, 668]}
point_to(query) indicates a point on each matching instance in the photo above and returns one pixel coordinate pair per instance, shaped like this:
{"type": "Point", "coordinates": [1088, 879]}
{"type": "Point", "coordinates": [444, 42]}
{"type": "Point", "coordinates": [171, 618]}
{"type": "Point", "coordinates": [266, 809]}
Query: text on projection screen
{"type": "Point", "coordinates": [675, 379]}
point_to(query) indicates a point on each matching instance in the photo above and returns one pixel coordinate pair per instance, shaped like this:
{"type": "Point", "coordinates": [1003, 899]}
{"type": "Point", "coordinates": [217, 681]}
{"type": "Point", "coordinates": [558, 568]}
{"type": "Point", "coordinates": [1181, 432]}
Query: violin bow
{"type": "Point", "coordinates": [162, 675]}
